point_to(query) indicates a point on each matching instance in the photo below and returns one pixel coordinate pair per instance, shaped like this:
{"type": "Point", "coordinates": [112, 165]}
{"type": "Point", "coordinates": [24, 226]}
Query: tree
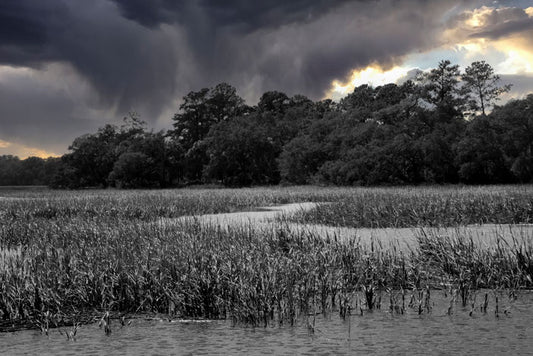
{"type": "Point", "coordinates": [482, 85]}
{"type": "Point", "coordinates": [10, 170]}
{"type": "Point", "coordinates": [362, 97]}
{"type": "Point", "coordinates": [513, 123]}
{"type": "Point", "coordinates": [242, 153]}
{"type": "Point", "coordinates": [202, 109]}
{"type": "Point", "coordinates": [193, 121]}
{"type": "Point", "coordinates": [32, 171]}
{"type": "Point", "coordinates": [274, 102]}
{"type": "Point", "coordinates": [198, 113]}
{"type": "Point", "coordinates": [92, 157]}
{"type": "Point", "coordinates": [300, 160]}
{"type": "Point", "coordinates": [391, 134]}
{"type": "Point", "coordinates": [441, 89]}
{"type": "Point", "coordinates": [156, 148]}
{"type": "Point", "coordinates": [480, 156]}
{"type": "Point", "coordinates": [325, 106]}
{"type": "Point", "coordinates": [224, 103]}
{"type": "Point", "coordinates": [135, 170]}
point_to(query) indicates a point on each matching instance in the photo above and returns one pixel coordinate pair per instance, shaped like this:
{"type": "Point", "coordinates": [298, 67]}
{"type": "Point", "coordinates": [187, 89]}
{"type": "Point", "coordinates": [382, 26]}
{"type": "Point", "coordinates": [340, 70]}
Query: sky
{"type": "Point", "coordinates": [68, 67]}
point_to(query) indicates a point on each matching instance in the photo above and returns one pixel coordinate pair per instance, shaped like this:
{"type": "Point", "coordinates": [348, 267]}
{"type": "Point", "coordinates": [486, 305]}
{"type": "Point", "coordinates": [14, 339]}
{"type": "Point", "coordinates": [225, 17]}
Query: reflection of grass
{"type": "Point", "coordinates": [415, 207]}
{"type": "Point", "coordinates": [80, 252]}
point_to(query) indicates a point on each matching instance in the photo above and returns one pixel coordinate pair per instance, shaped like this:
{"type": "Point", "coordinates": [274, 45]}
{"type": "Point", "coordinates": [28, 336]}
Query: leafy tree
{"type": "Point", "coordinates": [135, 170]}
{"type": "Point", "coordinates": [198, 113]}
{"type": "Point", "coordinates": [513, 124]}
{"type": "Point", "coordinates": [301, 159]}
{"type": "Point", "coordinates": [155, 148]}
{"type": "Point", "coordinates": [441, 89]}
{"type": "Point", "coordinates": [438, 158]}
{"type": "Point", "coordinates": [224, 103]}
{"type": "Point", "coordinates": [274, 102]}
{"type": "Point", "coordinates": [480, 156]}
{"type": "Point", "coordinates": [32, 171]}
{"type": "Point", "coordinates": [92, 157]}
{"type": "Point", "coordinates": [392, 134]}
{"type": "Point", "coordinates": [482, 85]}
{"type": "Point", "coordinates": [194, 120]}
{"type": "Point", "coordinates": [113, 155]}
{"type": "Point", "coordinates": [242, 153]}
{"type": "Point", "coordinates": [202, 109]}
{"type": "Point", "coordinates": [65, 176]}
{"type": "Point", "coordinates": [298, 114]}
{"type": "Point", "coordinates": [325, 106]}
{"type": "Point", "coordinates": [10, 170]}
{"type": "Point", "coordinates": [362, 97]}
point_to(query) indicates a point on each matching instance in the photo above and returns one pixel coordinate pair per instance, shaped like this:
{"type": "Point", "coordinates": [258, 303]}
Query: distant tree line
{"type": "Point", "coordinates": [437, 128]}
{"type": "Point", "coordinates": [29, 171]}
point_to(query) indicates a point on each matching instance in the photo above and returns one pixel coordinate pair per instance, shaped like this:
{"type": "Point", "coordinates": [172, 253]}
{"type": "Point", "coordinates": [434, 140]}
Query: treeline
{"type": "Point", "coordinates": [433, 129]}
{"type": "Point", "coordinates": [30, 171]}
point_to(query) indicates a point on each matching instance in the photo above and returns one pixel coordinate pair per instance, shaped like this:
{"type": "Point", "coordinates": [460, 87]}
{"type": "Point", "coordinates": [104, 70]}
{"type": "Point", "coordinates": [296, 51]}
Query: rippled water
{"type": "Point", "coordinates": [377, 332]}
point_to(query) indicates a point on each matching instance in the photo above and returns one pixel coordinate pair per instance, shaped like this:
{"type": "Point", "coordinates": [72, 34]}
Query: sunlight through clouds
{"type": "Point", "coordinates": [496, 33]}
{"type": "Point", "coordinates": [22, 151]}
{"type": "Point", "coordinates": [372, 75]}
{"type": "Point", "coordinates": [4, 144]}
{"type": "Point", "coordinates": [502, 36]}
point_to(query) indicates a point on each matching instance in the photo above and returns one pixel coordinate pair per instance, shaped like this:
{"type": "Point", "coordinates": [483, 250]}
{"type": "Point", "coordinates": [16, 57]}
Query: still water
{"type": "Point", "coordinates": [378, 333]}
{"type": "Point", "coordinates": [275, 217]}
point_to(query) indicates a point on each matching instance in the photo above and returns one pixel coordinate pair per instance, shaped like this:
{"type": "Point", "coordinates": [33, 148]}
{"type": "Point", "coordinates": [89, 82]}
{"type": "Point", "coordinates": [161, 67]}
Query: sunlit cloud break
{"type": "Point", "coordinates": [501, 36]}
{"type": "Point", "coordinates": [22, 151]}
{"type": "Point", "coordinates": [372, 75]}
{"type": "Point", "coordinates": [4, 144]}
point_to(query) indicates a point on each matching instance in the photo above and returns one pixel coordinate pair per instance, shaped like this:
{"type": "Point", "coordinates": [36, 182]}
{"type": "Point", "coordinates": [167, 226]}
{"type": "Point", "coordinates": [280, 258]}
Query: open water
{"type": "Point", "coordinates": [377, 333]}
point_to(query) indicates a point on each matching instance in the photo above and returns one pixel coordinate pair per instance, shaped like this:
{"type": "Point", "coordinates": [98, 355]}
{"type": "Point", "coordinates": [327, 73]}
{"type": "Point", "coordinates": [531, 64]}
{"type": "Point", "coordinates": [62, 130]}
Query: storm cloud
{"type": "Point", "coordinates": [144, 52]}
{"type": "Point", "coordinates": [145, 55]}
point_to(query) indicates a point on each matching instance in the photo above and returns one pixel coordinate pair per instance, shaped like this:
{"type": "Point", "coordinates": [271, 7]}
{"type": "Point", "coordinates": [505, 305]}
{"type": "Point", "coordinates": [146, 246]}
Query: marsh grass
{"type": "Point", "coordinates": [424, 207]}
{"type": "Point", "coordinates": [90, 255]}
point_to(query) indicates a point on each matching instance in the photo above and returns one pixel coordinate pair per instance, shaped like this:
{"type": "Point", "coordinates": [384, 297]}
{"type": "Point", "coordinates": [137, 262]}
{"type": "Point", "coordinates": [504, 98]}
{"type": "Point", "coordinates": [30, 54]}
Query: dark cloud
{"type": "Point", "coordinates": [133, 59]}
{"type": "Point", "coordinates": [41, 109]}
{"type": "Point", "coordinates": [126, 63]}
{"type": "Point", "coordinates": [504, 29]}
{"type": "Point", "coordinates": [492, 23]}
{"type": "Point", "coordinates": [26, 27]}
{"type": "Point", "coordinates": [306, 57]}
{"type": "Point", "coordinates": [243, 14]}
{"type": "Point", "coordinates": [144, 55]}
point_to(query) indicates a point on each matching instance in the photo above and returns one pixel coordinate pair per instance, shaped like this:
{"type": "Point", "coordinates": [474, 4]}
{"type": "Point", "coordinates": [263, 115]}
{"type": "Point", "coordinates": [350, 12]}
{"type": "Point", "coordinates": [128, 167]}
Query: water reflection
{"type": "Point", "coordinates": [378, 332]}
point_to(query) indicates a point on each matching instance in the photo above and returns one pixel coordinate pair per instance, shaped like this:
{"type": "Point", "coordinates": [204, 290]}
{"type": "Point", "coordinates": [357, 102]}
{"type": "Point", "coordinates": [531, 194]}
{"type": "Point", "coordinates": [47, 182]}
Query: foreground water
{"type": "Point", "coordinates": [378, 332]}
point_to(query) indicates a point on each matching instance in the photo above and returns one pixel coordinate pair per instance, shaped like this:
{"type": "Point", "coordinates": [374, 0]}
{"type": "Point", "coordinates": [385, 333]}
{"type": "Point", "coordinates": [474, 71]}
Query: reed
{"type": "Point", "coordinates": [65, 259]}
{"type": "Point", "coordinates": [424, 207]}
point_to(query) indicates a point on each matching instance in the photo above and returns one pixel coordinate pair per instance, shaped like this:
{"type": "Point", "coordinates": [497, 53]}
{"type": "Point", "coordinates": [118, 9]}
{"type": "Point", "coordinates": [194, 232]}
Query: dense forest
{"type": "Point", "coordinates": [440, 127]}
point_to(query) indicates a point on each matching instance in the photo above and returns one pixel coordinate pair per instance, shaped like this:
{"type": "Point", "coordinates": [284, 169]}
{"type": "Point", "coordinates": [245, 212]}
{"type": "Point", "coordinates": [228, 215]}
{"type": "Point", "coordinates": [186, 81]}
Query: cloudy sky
{"type": "Point", "coordinates": [68, 67]}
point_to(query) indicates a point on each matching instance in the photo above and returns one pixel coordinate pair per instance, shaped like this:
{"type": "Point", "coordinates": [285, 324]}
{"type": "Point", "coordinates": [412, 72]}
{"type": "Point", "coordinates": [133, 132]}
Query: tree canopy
{"type": "Point", "coordinates": [438, 128]}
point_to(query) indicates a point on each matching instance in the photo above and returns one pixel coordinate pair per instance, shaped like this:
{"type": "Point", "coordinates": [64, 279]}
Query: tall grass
{"type": "Point", "coordinates": [416, 207]}
{"type": "Point", "coordinates": [92, 255]}
{"type": "Point", "coordinates": [149, 205]}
